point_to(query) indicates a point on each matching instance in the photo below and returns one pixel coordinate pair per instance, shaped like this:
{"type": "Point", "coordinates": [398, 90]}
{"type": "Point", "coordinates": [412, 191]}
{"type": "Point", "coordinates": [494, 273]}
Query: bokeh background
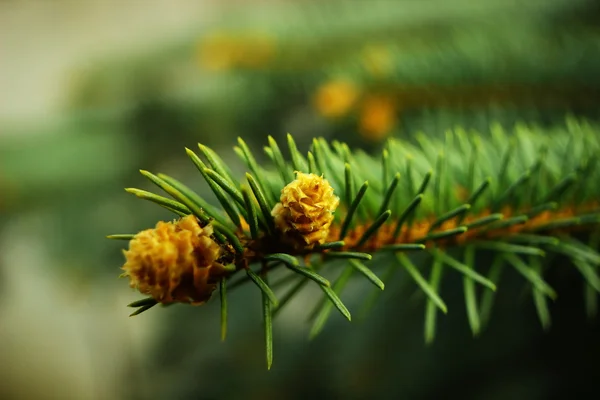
{"type": "Point", "coordinates": [92, 91]}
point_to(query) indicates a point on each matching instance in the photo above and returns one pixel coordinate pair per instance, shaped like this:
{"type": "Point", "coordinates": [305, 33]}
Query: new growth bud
{"type": "Point", "coordinates": [175, 262]}
{"type": "Point", "coordinates": [305, 211]}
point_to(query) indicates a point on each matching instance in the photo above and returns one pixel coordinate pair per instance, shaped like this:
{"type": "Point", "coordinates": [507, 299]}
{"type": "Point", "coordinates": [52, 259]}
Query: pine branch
{"type": "Point", "coordinates": [304, 226]}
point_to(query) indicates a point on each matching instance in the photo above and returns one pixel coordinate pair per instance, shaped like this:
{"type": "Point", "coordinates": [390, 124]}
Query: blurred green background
{"type": "Point", "coordinates": [92, 91]}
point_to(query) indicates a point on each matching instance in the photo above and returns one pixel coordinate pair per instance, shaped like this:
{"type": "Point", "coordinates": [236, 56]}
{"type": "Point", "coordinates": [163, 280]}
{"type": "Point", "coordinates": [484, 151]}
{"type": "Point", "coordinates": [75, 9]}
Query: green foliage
{"type": "Point", "coordinates": [520, 202]}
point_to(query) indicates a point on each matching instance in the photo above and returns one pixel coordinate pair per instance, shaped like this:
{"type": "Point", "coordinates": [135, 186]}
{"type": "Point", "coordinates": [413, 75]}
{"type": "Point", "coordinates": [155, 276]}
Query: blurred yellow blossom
{"type": "Point", "coordinates": [335, 98]}
{"type": "Point", "coordinates": [222, 51]}
{"type": "Point", "coordinates": [377, 117]}
{"type": "Point", "coordinates": [216, 52]}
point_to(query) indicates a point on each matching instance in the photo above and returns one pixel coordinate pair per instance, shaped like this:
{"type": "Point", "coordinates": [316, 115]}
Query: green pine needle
{"type": "Point", "coordinates": [403, 247]}
{"type": "Point", "coordinates": [318, 157]}
{"type": "Point", "coordinates": [293, 264]}
{"type": "Point", "coordinates": [231, 237]}
{"type": "Point", "coordinates": [198, 212]}
{"type": "Point", "coordinates": [325, 310]}
{"type": "Point", "coordinates": [385, 167]}
{"type": "Point", "coordinates": [470, 294]}
{"type": "Point", "coordinates": [262, 285]}
{"type": "Point", "coordinates": [487, 299]}
{"type": "Point", "coordinates": [226, 186]}
{"type": "Point", "coordinates": [252, 213]}
{"type": "Point", "coordinates": [503, 247]}
{"type": "Point", "coordinates": [425, 183]}
{"type": "Point", "coordinates": [591, 302]}
{"type": "Point", "coordinates": [284, 258]}
{"type": "Point", "coordinates": [427, 288]}
{"type": "Point", "coordinates": [507, 223]}
{"type": "Point", "coordinates": [562, 223]}
{"type": "Point", "coordinates": [121, 236]}
{"type": "Point", "coordinates": [478, 223]}
{"type": "Point", "coordinates": [464, 269]}
{"type": "Point", "coordinates": [267, 303]}
{"type": "Point", "coordinates": [310, 274]}
{"type": "Point", "coordinates": [352, 210]}
{"type": "Point", "coordinates": [431, 307]}
{"type": "Point", "coordinates": [217, 164]}
{"type": "Point", "coordinates": [449, 215]}
{"type": "Point", "coordinates": [410, 183]}
{"type": "Point", "coordinates": [312, 164]}
{"type": "Point", "coordinates": [330, 245]}
{"type": "Point", "coordinates": [255, 169]}
{"type": "Point", "coordinates": [564, 185]}
{"type": "Point", "coordinates": [537, 210]}
{"type": "Point", "coordinates": [407, 213]}
{"type": "Point", "coordinates": [443, 235]}
{"type": "Point", "coordinates": [589, 273]}
{"type": "Point", "coordinates": [298, 161]}
{"type": "Point", "coordinates": [330, 163]}
{"type": "Point", "coordinates": [348, 183]}
{"type": "Point", "coordinates": [348, 254]}
{"type": "Point", "coordinates": [262, 201]}
{"type": "Point", "coordinates": [360, 267]}
{"type": "Point", "coordinates": [210, 210]}
{"type": "Point", "coordinates": [143, 302]}
{"type": "Point", "coordinates": [388, 194]}
{"type": "Point", "coordinates": [160, 200]}
{"type": "Point", "coordinates": [337, 302]}
{"type": "Point", "coordinates": [227, 205]}
{"type": "Point", "coordinates": [577, 252]}
{"type": "Point", "coordinates": [532, 276]}
{"type": "Point", "coordinates": [438, 183]}
{"type": "Point", "coordinates": [505, 162]}
{"type": "Point", "coordinates": [533, 239]}
{"type": "Point", "coordinates": [510, 192]}
{"type": "Point", "coordinates": [286, 173]}
{"type": "Point", "coordinates": [479, 191]}
{"type": "Point", "coordinates": [539, 298]}
{"type": "Point", "coordinates": [223, 298]}
{"type": "Point", "coordinates": [142, 309]}
{"type": "Point", "coordinates": [371, 230]}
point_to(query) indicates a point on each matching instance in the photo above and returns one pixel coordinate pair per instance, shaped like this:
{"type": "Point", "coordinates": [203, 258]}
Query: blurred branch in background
{"type": "Point", "coordinates": [407, 57]}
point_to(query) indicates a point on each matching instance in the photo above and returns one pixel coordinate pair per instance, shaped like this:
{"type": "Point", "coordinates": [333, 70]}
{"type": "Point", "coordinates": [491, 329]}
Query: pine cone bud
{"type": "Point", "coordinates": [175, 262]}
{"type": "Point", "coordinates": [305, 211]}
